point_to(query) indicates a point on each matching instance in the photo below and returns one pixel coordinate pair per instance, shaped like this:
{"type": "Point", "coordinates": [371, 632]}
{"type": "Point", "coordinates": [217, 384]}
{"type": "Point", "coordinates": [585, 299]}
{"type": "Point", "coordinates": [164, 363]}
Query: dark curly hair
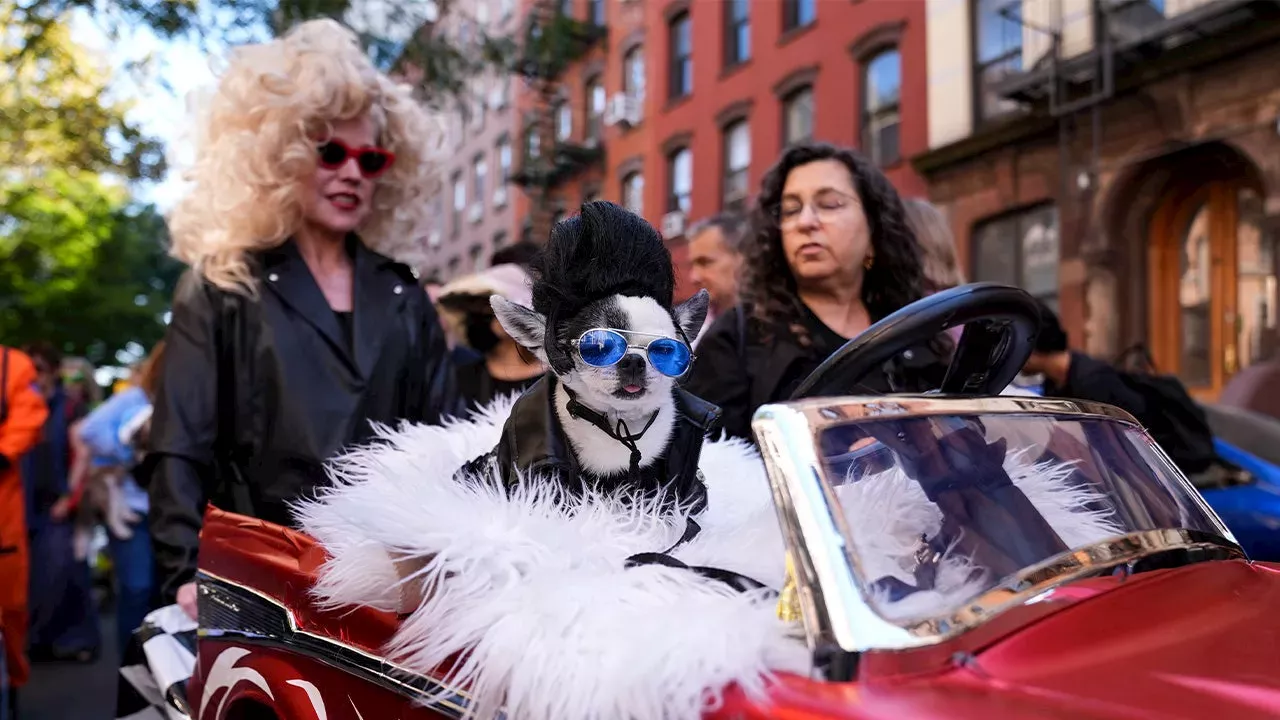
{"type": "Point", "coordinates": [768, 291]}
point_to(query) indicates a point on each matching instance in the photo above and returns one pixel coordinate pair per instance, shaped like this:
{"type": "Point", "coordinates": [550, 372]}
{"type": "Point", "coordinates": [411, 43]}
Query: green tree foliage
{"type": "Point", "coordinates": [56, 110]}
{"type": "Point", "coordinates": [80, 267]}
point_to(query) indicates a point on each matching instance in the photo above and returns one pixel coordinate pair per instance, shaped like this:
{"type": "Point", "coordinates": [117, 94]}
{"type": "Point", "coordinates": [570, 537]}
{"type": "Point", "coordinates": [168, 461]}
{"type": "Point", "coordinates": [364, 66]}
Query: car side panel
{"type": "Point", "coordinates": [292, 686]}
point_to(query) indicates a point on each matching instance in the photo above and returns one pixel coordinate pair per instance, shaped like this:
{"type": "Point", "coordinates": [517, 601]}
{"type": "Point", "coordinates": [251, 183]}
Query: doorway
{"type": "Point", "coordinates": [1212, 283]}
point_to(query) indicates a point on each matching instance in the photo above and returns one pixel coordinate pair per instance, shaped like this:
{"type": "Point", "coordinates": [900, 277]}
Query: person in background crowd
{"type": "Point", "coordinates": [431, 284]}
{"type": "Point", "coordinates": [22, 418]}
{"type": "Point", "coordinates": [715, 262]}
{"type": "Point", "coordinates": [500, 366]}
{"type": "Point", "coordinates": [521, 253]}
{"type": "Point", "coordinates": [105, 439]}
{"type": "Point", "coordinates": [82, 389]}
{"type": "Point", "coordinates": [295, 332]}
{"type": "Point", "coordinates": [828, 254]}
{"type": "Point", "coordinates": [937, 245]}
{"type": "Point", "coordinates": [64, 620]}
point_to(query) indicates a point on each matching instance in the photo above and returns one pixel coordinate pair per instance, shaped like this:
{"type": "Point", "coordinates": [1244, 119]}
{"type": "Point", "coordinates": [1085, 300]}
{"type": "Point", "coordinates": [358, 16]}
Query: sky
{"type": "Point", "coordinates": [159, 99]}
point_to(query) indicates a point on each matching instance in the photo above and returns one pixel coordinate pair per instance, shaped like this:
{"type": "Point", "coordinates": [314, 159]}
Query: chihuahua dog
{"type": "Point", "coordinates": [610, 414]}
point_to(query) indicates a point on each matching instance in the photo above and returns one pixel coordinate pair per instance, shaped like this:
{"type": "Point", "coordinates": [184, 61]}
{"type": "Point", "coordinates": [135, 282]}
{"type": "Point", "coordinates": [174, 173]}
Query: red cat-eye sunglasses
{"type": "Point", "coordinates": [372, 161]}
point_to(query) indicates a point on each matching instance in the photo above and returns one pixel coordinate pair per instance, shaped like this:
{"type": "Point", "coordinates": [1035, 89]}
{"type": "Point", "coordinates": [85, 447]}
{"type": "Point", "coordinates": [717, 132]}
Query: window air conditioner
{"type": "Point", "coordinates": [673, 225]}
{"type": "Point", "coordinates": [475, 213]}
{"type": "Point", "coordinates": [500, 196]}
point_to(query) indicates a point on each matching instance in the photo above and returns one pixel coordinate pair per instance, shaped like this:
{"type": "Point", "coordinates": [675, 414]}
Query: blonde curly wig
{"type": "Point", "coordinates": [255, 148]}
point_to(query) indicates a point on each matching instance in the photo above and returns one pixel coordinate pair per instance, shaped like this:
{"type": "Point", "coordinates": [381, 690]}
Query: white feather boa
{"type": "Point", "coordinates": [532, 589]}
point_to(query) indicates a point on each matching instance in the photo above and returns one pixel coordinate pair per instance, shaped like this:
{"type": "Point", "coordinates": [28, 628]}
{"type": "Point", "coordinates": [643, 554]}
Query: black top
{"type": "Point", "coordinates": [477, 387]}
{"type": "Point", "coordinates": [346, 323]}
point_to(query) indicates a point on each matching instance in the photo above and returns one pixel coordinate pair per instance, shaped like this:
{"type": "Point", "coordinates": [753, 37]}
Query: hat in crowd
{"type": "Point", "coordinates": [470, 294]}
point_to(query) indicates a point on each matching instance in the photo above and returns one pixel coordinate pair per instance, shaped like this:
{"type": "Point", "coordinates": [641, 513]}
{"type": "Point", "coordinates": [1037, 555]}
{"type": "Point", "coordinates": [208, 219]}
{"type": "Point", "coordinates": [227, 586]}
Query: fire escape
{"type": "Point", "coordinates": [1128, 38]}
{"type": "Point", "coordinates": [547, 159]}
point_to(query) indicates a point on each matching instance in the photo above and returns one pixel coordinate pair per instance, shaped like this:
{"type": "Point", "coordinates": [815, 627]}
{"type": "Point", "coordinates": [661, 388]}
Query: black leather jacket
{"type": "Point", "coordinates": [533, 443]}
{"type": "Point", "coordinates": [256, 393]}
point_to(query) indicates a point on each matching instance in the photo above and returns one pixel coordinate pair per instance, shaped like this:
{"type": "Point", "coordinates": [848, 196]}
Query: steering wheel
{"type": "Point", "coordinates": [1001, 323]}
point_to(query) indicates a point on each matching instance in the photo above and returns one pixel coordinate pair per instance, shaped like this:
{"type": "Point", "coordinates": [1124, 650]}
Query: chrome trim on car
{"type": "Point", "coordinates": [822, 413]}
{"type": "Point", "coordinates": [829, 574]}
{"type": "Point", "coordinates": [255, 618]}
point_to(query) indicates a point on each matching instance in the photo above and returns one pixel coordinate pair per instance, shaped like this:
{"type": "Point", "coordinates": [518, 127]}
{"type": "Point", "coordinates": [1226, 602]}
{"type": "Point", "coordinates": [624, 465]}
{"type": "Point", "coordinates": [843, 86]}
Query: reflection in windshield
{"type": "Point", "coordinates": [944, 508]}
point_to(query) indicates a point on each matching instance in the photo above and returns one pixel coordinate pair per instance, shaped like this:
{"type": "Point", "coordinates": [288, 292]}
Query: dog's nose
{"type": "Point", "coordinates": [631, 364]}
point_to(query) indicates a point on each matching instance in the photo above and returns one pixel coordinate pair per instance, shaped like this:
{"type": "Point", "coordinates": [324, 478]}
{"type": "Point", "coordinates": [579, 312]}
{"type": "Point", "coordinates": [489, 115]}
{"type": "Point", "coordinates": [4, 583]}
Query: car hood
{"type": "Point", "coordinates": [1201, 641]}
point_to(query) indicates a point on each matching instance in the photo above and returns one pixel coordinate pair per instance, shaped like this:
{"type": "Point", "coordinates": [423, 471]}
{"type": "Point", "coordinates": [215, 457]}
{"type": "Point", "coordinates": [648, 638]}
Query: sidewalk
{"type": "Point", "coordinates": [69, 691]}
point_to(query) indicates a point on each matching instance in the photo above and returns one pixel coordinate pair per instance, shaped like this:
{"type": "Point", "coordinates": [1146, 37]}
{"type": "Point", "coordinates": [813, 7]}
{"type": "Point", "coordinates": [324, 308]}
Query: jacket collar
{"type": "Point", "coordinates": [375, 292]}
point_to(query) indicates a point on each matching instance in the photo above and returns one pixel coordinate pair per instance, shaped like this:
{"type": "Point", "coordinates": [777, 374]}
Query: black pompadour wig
{"type": "Point", "coordinates": [604, 250]}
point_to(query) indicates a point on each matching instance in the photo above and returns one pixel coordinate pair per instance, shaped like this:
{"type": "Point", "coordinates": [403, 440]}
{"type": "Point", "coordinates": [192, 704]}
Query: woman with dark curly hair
{"type": "Point", "coordinates": [829, 253]}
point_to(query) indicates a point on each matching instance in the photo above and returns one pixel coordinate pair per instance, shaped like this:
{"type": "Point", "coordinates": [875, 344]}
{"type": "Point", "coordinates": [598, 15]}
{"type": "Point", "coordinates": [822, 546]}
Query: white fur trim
{"type": "Point", "coordinates": [531, 587]}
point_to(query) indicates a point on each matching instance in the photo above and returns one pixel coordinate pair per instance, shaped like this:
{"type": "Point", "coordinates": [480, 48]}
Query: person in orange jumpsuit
{"type": "Point", "coordinates": [22, 417]}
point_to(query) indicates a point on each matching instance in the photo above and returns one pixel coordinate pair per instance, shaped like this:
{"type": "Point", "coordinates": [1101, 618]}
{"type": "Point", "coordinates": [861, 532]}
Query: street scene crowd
{"type": "Point", "coordinates": [300, 324]}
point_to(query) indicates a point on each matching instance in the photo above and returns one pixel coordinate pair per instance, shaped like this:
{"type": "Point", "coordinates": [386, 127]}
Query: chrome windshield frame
{"type": "Point", "coordinates": [831, 585]}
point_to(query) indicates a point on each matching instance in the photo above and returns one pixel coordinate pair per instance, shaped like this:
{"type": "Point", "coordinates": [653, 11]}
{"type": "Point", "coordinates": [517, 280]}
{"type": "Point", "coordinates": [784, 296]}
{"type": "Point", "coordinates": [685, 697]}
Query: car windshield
{"type": "Point", "coordinates": [941, 509]}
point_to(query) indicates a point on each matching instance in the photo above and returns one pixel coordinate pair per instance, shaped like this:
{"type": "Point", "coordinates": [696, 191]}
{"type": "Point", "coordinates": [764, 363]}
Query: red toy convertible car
{"type": "Point", "coordinates": [941, 556]}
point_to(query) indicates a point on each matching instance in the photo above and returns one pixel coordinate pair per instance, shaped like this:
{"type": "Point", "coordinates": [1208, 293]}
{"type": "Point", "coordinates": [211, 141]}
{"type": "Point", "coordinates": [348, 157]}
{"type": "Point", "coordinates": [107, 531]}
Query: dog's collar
{"type": "Point", "coordinates": [620, 432]}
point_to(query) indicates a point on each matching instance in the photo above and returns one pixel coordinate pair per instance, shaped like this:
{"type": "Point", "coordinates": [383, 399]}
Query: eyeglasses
{"type": "Point", "coordinates": [372, 161]}
{"type": "Point", "coordinates": [827, 204]}
{"type": "Point", "coordinates": [605, 347]}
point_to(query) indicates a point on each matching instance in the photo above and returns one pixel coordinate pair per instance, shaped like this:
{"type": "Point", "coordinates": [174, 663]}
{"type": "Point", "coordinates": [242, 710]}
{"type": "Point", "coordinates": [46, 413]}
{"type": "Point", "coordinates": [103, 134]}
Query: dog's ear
{"type": "Point", "coordinates": [691, 313]}
{"type": "Point", "coordinates": [526, 327]}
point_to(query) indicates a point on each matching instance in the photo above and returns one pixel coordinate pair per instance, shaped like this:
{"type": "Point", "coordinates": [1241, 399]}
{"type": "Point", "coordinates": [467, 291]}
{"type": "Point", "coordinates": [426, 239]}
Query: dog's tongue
{"type": "Point", "coordinates": [632, 389]}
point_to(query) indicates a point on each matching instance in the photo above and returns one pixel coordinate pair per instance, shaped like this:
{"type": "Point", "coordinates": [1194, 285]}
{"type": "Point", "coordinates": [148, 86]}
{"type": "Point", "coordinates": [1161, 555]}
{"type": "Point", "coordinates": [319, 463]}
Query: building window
{"type": "Point", "coordinates": [680, 181]}
{"type": "Point", "coordinates": [455, 264]}
{"type": "Point", "coordinates": [680, 44]}
{"type": "Point", "coordinates": [526, 231]}
{"type": "Point", "coordinates": [532, 143]}
{"type": "Point", "coordinates": [881, 98]}
{"type": "Point", "coordinates": [797, 116]}
{"type": "Point", "coordinates": [737, 32]}
{"type": "Point", "coordinates": [499, 240]}
{"type": "Point", "coordinates": [564, 120]}
{"type": "Point", "coordinates": [798, 13]}
{"type": "Point", "coordinates": [479, 179]}
{"type": "Point", "coordinates": [737, 162]}
{"type": "Point", "coordinates": [476, 254]}
{"type": "Point", "coordinates": [633, 193]}
{"type": "Point", "coordinates": [997, 55]}
{"type": "Point", "coordinates": [566, 8]}
{"type": "Point", "coordinates": [1020, 249]}
{"type": "Point", "coordinates": [633, 74]}
{"type": "Point", "coordinates": [459, 201]}
{"type": "Point", "coordinates": [591, 195]}
{"type": "Point", "coordinates": [557, 216]}
{"type": "Point", "coordinates": [504, 160]}
{"type": "Point", "coordinates": [596, 100]}
{"type": "Point", "coordinates": [596, 12]}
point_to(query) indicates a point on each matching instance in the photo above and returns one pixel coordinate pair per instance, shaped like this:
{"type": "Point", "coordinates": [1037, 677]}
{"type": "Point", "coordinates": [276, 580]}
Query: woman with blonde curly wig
{"type": "Point", "coordinates": [296, 329]}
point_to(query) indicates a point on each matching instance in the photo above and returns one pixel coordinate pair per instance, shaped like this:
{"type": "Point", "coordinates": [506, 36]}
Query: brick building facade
{"type": "Point", "coordinates": [689, 101]}
{"type": "Point", "coordinates": [1143, 204]}
{"type": "Point", "coordinates": [473, 212]}
{"type": "Point", "coordinates": [731, 83]}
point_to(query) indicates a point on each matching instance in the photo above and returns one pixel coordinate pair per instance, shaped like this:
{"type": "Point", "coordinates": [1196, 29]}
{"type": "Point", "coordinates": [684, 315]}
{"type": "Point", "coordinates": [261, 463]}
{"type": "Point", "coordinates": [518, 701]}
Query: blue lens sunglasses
{"type": "Point", "coordinates": [605, 347]}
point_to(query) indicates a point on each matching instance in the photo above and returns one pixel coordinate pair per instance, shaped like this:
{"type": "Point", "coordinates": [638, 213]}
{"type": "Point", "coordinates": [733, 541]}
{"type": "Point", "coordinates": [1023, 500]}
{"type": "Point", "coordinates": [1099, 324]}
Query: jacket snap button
{"type": "Point", "coordinates": [273, 277]}
{"type": "Point", "coordinates": [397, 289]}
{"type": "Point", "coordinates": [908, 354]}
